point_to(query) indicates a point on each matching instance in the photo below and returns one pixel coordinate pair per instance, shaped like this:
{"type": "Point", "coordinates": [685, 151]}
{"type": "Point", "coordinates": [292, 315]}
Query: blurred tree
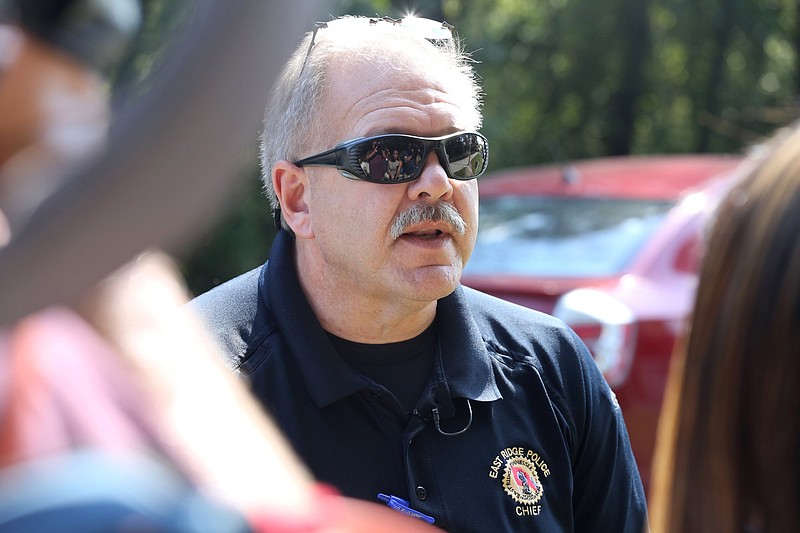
{"type": "Point", "coordinates": [586, 78]}
{"type": "Point", "coordinates": [162, 22]}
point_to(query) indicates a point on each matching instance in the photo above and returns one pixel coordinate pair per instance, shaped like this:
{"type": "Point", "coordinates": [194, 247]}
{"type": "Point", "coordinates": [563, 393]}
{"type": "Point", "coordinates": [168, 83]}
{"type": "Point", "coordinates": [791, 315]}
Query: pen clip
{"type": "Point", "coordinates": [403, 506]}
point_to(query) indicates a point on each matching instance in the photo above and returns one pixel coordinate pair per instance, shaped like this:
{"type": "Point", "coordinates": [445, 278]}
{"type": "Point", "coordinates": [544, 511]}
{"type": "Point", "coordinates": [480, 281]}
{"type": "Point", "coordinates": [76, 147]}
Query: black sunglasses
{"type": "Point", "coordinates": [396, 158]}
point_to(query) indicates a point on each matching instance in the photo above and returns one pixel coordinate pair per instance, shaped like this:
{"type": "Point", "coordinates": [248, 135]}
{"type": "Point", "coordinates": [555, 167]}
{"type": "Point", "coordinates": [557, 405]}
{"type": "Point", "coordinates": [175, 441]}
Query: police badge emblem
{"type": "Point", "coordinates": [521, 481]}
{"type": "Point", "coordinates": [520, 478]}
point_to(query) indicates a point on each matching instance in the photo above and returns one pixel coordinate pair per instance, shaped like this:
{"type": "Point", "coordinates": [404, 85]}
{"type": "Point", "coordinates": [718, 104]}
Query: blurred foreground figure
{"type": "Point", "coordinates": [117, 415]}
{"type": "Point", "coordinates": [729, 438]}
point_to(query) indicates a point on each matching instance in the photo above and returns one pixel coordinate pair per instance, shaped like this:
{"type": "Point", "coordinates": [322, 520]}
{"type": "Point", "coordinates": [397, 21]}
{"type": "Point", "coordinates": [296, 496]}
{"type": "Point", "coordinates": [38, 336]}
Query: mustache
{"type": "Point", "coordinates": [422, 212]}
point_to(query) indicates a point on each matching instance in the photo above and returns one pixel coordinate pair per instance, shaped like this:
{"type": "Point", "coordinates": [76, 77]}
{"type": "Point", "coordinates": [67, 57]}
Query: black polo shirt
{"type": "Point", "coordinates": [545, 446]}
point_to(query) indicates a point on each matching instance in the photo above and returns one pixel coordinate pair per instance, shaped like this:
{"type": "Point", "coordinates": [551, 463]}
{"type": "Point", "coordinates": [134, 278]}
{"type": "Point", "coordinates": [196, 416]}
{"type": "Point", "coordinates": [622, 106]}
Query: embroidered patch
{"type": "Point", "coordinates": [521, 469]}
{"type": "Point", "coordinates": [521, 481]}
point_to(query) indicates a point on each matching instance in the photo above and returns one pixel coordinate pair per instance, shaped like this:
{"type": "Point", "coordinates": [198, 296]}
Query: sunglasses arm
{"type": "Point", "coordinates": [335, 157]}
{"type": "Point", "coordinates": [326, 158]}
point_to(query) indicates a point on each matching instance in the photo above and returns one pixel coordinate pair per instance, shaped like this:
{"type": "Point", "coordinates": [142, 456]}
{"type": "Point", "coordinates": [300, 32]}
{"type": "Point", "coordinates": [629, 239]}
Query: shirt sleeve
{"type": "Point", "coordinates": [608, 494]}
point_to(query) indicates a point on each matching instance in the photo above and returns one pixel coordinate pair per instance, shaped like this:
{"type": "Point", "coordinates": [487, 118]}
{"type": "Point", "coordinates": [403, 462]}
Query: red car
{"type": "Point", "coordinates": [611, 246]}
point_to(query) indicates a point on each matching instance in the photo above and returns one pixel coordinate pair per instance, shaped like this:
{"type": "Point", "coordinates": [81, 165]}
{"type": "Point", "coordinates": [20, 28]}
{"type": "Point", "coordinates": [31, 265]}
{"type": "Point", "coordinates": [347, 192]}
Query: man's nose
{"type": "Point", "coordinates": [433, 182]}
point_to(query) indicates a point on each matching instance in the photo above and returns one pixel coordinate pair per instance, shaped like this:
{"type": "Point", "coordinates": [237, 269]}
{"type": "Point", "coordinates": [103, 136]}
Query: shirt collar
{"type": "Point", "coordinates": [466, 363]}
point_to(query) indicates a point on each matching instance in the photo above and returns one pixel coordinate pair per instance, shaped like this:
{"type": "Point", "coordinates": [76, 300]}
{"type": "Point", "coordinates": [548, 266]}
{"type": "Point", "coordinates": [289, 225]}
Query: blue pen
{"type": "Point", "coordinates": [401, 505]}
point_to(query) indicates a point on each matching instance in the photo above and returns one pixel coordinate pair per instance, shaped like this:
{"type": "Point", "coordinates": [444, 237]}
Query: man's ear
{"type": "Point", "coordinates": [291, 187]}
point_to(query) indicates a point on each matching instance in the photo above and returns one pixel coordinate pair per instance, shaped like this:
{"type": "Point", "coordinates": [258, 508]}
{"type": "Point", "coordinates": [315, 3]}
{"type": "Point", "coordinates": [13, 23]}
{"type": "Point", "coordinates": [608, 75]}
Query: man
{"type": "Point", "coordinates": [392, 381]}
{"type": "Point", "coordinates": [377, 161]}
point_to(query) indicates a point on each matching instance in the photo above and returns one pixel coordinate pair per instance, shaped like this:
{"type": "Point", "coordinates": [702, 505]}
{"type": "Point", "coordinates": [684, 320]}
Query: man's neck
{"type": "Point", "coordinates": [347, 312]}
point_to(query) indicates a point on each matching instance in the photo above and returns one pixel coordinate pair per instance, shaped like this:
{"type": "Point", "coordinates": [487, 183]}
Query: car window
{"type": "Point", "coordinates": [561, 236]}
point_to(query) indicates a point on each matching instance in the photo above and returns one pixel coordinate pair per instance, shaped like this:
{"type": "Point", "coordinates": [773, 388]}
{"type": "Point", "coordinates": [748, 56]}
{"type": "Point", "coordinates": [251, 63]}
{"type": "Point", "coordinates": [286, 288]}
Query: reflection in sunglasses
{"type": "Point", "coordinates": [398, 158]}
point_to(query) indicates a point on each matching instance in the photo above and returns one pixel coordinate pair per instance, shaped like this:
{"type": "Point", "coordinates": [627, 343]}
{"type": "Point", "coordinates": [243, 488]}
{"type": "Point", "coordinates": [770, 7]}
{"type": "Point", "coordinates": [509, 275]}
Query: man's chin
{"type": "Point", "coordinates": [435, 282]}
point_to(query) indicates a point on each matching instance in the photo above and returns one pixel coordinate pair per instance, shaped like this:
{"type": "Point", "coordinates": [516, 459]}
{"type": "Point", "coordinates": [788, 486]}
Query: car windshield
{"type": "Point", "coordinates": [561, 236]}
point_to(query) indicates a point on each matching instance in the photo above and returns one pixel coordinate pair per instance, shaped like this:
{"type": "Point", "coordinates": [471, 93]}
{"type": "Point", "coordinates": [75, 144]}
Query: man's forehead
{"type": "Point", "coordinates": [393, 97]}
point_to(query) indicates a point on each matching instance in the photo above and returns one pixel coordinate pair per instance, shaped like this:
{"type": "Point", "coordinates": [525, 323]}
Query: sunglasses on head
{"type": "Point", "coordinates": [397, 158]}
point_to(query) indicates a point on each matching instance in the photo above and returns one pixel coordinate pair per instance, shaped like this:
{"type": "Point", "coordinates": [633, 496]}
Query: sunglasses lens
{"type": "Point", "coordinates": [387, 159]}
{"type": "Point", "coordinates": [466, 155]}
{"type": "Point", "coordinates": [393, 158]}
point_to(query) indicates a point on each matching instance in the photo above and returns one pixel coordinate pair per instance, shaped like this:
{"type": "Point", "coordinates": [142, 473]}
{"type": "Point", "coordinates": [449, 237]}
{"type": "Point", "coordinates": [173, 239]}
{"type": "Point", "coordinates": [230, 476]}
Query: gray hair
{"type": "Point", "coordinates": [294, 122]}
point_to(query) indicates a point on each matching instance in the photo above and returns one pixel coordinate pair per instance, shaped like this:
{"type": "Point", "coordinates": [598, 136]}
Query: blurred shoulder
{"type": "Point", "coordinates": [228, 312]}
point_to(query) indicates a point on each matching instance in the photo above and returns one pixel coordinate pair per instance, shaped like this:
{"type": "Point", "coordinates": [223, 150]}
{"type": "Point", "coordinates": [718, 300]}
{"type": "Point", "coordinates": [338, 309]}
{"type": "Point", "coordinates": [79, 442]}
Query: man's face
{"type": "Point", "coordinates": [352, 219]}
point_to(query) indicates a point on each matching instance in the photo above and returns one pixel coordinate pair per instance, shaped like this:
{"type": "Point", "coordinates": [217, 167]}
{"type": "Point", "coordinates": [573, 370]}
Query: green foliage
{"type": "Point", "coordinates": [587, 78]}
{"type": "Point", "coordinates": [163, 21]}
{"type": "Point", "coordinates": [583, 78]}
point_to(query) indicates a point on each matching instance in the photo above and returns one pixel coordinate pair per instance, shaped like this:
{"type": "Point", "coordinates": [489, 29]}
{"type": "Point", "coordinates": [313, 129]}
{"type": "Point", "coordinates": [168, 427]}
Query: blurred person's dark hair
{"type": "Point", "coordinates": [727, 453]}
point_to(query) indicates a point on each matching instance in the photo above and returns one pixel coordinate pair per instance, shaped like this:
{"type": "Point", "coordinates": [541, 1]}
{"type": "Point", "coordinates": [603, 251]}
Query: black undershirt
{"type": "Point", "coordinates": [404, 368]}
